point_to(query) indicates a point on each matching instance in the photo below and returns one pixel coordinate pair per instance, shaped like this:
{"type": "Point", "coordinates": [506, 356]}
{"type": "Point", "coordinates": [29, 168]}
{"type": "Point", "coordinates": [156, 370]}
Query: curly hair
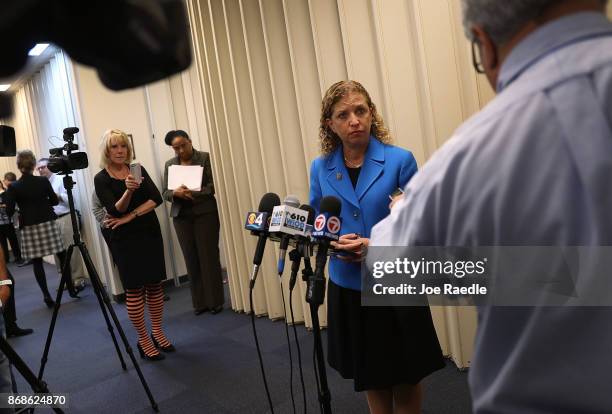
{"type": "Point", "coordinates": [327, 138]}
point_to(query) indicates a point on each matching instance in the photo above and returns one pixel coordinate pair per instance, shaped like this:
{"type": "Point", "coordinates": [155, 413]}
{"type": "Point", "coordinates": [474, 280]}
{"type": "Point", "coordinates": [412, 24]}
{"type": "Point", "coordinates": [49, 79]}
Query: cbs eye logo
{"type": "Point", "coordinates": [251, 218]}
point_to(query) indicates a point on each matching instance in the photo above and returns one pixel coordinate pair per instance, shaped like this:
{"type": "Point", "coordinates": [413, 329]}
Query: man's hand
{"type": "Point", "coordinates": [183, 192]}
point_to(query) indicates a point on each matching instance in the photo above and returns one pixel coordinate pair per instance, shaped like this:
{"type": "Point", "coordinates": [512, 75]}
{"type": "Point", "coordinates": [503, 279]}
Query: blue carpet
{"type": "Point", "coordinates": [215, 368]}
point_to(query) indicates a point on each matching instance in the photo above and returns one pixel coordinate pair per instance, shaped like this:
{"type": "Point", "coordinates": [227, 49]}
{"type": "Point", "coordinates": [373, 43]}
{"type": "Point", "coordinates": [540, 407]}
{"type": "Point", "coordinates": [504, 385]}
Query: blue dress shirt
{"type": "Point", "coordinates": [534, 167]}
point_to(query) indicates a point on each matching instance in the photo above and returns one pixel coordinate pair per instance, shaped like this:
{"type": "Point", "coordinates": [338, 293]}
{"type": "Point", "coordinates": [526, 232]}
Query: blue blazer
{"type": "Point", "coordinates": [384, 169]}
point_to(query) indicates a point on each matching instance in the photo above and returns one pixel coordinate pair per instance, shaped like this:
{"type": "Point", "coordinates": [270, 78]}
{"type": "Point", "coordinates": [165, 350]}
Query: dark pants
{"type": "Point", "coordinates": [10, 314]}
{"type": "Point", "coordinates": [7, 232]}
{"type": "Point", "coordinates": [198, 236]}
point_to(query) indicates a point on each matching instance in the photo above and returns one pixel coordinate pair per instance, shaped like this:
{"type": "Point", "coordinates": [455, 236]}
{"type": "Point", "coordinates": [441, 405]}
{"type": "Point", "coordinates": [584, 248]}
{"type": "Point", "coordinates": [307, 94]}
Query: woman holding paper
{"type": "Point", "coordinates": [196, 220]}
{"type": "Point", "coordinates": [136, 240]}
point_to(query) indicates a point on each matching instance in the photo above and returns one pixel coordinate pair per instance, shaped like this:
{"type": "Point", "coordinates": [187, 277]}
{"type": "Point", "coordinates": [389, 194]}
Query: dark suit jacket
{"type": "Point", "coordinates": [203, 200]}
{"type": "Point", "coordinates": [35, 198]}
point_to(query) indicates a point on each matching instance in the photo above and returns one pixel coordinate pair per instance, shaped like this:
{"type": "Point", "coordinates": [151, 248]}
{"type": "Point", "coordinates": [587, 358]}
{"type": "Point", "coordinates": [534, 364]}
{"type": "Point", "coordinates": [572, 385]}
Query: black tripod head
{"type": "Point", "coordinates": [65, 164]}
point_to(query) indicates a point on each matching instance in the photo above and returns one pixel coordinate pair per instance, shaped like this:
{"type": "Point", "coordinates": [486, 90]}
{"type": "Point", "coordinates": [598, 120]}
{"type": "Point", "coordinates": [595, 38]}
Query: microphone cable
{"type": "Point", "coordinates": [296, 254]}
{"type": "Point", "coordinates": [263, 373]}
{"type": "Point", "coordinates": [288, 346]}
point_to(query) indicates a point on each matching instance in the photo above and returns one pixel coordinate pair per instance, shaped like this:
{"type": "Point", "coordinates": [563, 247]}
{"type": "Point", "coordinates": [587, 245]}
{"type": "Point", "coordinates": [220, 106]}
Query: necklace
{"type": "Point", "coordinates": [115, 175]}
{"type": "Point", "coordinates": [352, 165]}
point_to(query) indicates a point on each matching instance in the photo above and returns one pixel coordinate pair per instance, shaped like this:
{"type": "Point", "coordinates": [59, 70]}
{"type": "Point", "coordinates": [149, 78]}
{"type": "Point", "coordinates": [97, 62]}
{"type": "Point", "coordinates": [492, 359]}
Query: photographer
{"type": "Point", "coordinates": [40, 233]}
{"type": "Point", "coordinates": [62, 211]}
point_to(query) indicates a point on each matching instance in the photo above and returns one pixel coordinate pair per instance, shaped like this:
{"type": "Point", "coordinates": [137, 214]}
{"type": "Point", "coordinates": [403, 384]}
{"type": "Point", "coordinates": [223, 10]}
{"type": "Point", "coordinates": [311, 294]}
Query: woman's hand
{"type": "Point", "coordinates": [353, 244]}
{"type": "Point", "coordinates": [132, 184]}
{"type": "Point", "coordinates": [113, 222]}
{"type": "Point", "coordinates": [183, 192]}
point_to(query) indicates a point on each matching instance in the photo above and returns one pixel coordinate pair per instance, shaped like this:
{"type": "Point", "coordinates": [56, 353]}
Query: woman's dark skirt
{"type": "Point", "coordinates": [379, 347]}
{"type": "Point", "coordinates": [140, 261]}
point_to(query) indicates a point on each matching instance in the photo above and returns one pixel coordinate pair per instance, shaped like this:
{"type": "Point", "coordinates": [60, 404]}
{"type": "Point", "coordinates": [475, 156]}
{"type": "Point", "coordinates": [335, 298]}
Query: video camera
{"type": "Point", "coordinates": [65, 164]}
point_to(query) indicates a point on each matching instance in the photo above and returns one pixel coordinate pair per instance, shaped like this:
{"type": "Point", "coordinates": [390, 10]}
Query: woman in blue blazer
{"type": "Point", "coordinates": [385, 350]}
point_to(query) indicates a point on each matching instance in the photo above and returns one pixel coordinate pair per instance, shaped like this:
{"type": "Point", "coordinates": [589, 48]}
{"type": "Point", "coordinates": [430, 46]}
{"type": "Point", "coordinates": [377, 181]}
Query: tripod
{"type": "Point", "coordinates": [38, 386]}
{"type": "Point", "coordinates": [102, 296]}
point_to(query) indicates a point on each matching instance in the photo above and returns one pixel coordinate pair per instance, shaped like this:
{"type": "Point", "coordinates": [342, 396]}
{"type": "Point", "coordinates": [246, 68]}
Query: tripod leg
{"type": "Point", "coordinates": [97, 284]}
{"type": "Point", "coordinates": [58, 302]}
{"type": "Point", "coordinates": [97, 288]}
{"type": "Point", "coordinates": [37, 385]}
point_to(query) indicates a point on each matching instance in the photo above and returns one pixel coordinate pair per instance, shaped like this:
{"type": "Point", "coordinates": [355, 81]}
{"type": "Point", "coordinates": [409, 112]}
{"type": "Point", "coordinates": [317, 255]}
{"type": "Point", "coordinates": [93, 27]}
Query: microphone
{"type": "Point", "coordinates": [266, 206]}
{"type": "Point", "coordinates": [326, 229]}
{"type": "Point", "coordinates": [302, 248]}
{"type": "Point", "coordinates": [287, 222]}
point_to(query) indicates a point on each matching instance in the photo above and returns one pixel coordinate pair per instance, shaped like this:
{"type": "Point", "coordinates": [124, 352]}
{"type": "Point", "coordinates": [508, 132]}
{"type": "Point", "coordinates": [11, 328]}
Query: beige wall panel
{"type": "Point", "coordinates": [441, 66]}
{"type": "Point", "coordinates": [308, 96]}
{"type": "Point", "coordinates": [306, 76]}
{"type": "Point", "coordinates": [178, 106]}
{"type": "Point", "coordinates": [200, 33]}
{"type": "Point", "coordinates": [267, 129]}
{"type": "Point", "coordinates": [361, 48]}
{"type": "Point", "coordinates": [461, 323]}
{"type": "Point", "coordinates": [247, 141]}
{"type": "Point", "coordinates": [286, 106]}
{"type": "Point", "coordinates": [327, 36]}
{"type": "Point", "coordinates": [221, 84]}
{"type": "Point", "coordinates": [284, 99]}
{"type": "Point", "coordinates": [242, 117]}
{"type": "Point", "coordinates": [400, 75]}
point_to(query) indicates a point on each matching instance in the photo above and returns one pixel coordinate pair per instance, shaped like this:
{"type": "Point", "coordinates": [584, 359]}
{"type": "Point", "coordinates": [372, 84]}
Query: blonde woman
{"type": "Point", "coordinates": [135, 239]}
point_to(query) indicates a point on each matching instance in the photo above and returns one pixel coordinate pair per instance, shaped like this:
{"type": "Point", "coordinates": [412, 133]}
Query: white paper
{"type": "Point", "coordinates": [188, 175]}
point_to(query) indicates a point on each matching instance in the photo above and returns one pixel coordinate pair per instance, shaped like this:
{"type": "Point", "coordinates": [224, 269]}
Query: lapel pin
{"type": "Point", "coordinates": [338, 176]}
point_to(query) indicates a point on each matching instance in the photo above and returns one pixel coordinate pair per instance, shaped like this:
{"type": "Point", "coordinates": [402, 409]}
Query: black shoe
{"type": "Point", "coordinates": [216, 309]}
{"type": "Point", "coordinates": [166, 298]}
{"type": "Point", "coordinates": [200, 311]}
{"type": "Point", "coordinates": [49, 302]}
{"type": "Point", "coordinates": [19, 261]}
{"type": "Point", "coordinates": [74, 293]}
{"type": "Point", "coordinates": [17, 331]}
{"type": "Point", "coordinates": [169, 348]}
{"type": "Point", "coordinates": [157, 357]}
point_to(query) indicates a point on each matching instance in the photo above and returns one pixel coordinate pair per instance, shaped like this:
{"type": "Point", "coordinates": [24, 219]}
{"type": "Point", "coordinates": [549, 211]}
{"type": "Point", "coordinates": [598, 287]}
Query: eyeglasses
{"type": "Point", "coordinates": [476, 57]}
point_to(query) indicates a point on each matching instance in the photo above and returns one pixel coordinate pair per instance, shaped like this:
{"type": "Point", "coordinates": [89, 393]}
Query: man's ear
{"type": "Point", "coordinates": [488, 49]}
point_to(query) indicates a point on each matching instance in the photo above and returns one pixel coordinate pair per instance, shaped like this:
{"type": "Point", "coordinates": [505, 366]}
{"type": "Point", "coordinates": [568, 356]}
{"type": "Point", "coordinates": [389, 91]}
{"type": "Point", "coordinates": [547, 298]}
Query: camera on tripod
{"type": "Point", "coordinates": [65, 164]}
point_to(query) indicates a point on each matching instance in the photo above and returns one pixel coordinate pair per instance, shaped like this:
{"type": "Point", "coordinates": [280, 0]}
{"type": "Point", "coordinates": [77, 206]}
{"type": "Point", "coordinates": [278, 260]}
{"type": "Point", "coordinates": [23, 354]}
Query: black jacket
{"type": "Point", "coordinates": [35, 198]}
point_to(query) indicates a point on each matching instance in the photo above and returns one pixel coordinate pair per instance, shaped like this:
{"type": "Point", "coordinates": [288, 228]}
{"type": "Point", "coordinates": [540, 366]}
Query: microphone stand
{"type": "Point", "coordinates": [315, 294]}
